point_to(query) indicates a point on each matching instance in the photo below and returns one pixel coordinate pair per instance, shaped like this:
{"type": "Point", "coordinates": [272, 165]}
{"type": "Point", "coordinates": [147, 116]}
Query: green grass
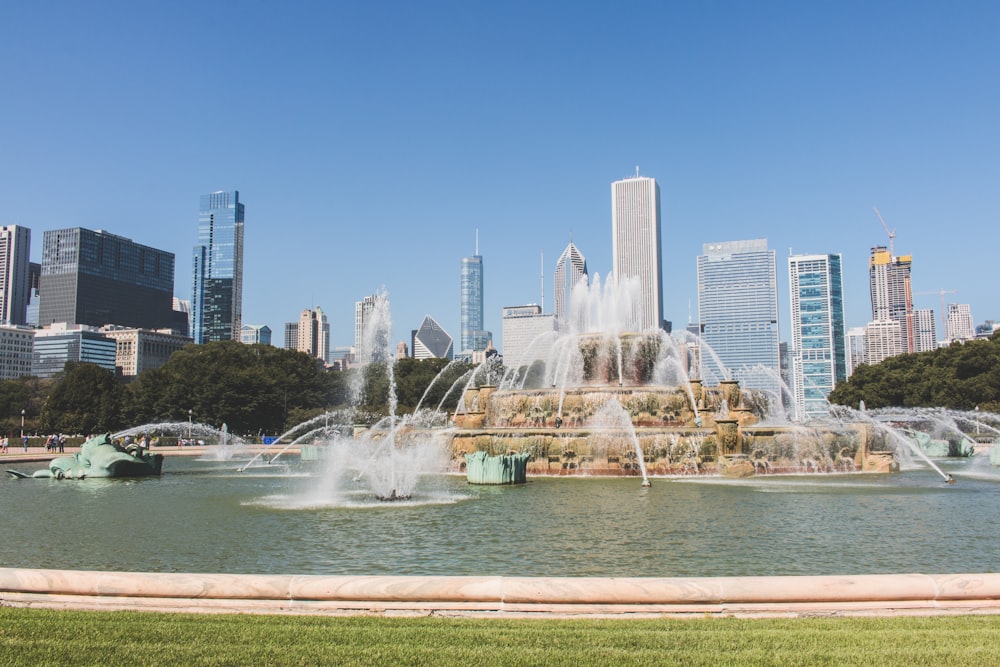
{"type": "Point", "coordinates": [47, 637]}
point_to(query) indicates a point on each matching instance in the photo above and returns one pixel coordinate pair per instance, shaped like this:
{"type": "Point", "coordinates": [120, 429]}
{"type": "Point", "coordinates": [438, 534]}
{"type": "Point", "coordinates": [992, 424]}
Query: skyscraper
{"type": "Point", "coordinates": [925, 330]}
{"type": "Point", "coordinates": [431, 341]}
{"type": "Point", "coordinates": [313, 334]}
{"type": "Point", "coordinates": [362, 315]}
{"type": "Point", "coordinates": [97, 278]}
{"type": "Point", "coordinates": [738, 313]}
{"type": "Point", "coordinates": [819, 357]}
{"type": "Point", "coordinates": [960, 322]}
{"type": "Point", "coordinates": [571, 269]}
{"type": "Point", "coordinates": [635, 239]}
{"type": "Point", "coordinates": [15, 274]}
{"type": "Point", "coordinates": [892, 296]}
{"type": "Point", "coordinates": [217, 292]}
{"type": "Point", "coordinates": [528, 334]}
{"type": "Point", "coordinates": [472, 337]}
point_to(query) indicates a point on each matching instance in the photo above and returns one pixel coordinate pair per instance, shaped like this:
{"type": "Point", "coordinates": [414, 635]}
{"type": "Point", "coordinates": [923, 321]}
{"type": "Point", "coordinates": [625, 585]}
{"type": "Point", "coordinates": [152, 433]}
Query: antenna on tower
{"type": "Point", "coordinates": [477, 241]}
{"type": "Point", "coordinates": [637, 171]}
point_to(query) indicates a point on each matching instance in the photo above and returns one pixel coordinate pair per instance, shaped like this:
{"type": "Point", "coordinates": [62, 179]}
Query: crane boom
{"type": "Point", "coordinates": [891, 234]}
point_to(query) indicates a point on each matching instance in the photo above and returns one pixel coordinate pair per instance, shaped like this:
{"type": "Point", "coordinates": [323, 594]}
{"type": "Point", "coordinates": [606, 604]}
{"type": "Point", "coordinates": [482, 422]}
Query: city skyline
{"type": "Point", "coordinates": [788, 123]}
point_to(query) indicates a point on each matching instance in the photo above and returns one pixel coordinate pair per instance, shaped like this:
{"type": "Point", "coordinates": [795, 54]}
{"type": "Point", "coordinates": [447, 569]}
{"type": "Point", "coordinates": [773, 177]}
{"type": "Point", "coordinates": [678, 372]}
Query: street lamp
{"type": "Point", "coordinates": [22, 423]}
{"type": "Point", "coordinates": [189, 424]}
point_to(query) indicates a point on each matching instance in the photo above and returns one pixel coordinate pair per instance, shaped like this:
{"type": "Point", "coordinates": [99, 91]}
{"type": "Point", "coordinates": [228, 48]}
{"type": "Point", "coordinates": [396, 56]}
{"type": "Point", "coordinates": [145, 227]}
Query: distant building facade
{"type": "Point", "coordinates": [571, 270]}
{"type": "Point", "coordinates": [252, 334]}
{"type": "Point", "coordinates": [636, 247]}
{"type": "Point", "coordinates": [96, 278]}
{"type": "Point", "coordinates": [856, 350]}
{"type": "Point", "coordinates": [138, 350]}
{"type": "Point", "coordinates": [883, 339]}
{"type": "Point", "coordinates": [16, 347]}
{"type": "Point", "coordinates": [819, 350]}
{"type": "Point", "coordinates": [924, 330]}
{"type": "Point", "coordinates": [738, 313]}
{"type": "Point", "coordinates": [431, 341]}
{"type": "Point", "coordinates": [892, 293]}
{"type": "Point", "coordinates": [312, 334]}
{"type": "Point", "coordinates": [15, 274]}
{"type": "Point", "coordinates": [960, 325]}
{"type": "Point", "coordinates": [472, 337]}
{"type": "Point", "coordinates": [61, 343]}
{"type": "Point", "coordinates": [528, 334]}
{"type": "Point", "coordinates": [217, 291]}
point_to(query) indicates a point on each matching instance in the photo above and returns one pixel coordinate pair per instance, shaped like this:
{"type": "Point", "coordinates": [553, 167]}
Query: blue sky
{"type": "Point", "coordinates": [369, 141]}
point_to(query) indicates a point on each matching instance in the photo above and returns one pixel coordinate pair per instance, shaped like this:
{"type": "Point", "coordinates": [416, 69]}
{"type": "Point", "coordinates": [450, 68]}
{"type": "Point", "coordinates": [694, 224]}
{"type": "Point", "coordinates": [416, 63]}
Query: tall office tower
{"type": "Point", "coordinates": [925, 332]}
{"type": "Point", "coordinates": [528, 334]}
{"type": "Point", "coordinates": [17, 344]}
{"type": "Point", "coordinates": [738, 314]}
{"type": "Point", "coordinates": [883, 339]}
{"type": "Point", "coordinates": [892, 296]}
{"type": "Point", "coordinates": [819, 354]}
{"type": "Point", "coordinates": [960, 322]}
{"type": "Point", "coordinates": [291, 335]}
{"type": "Point", "coordinates": [431, 341]}
{"type": "Point", "coordinates": [15, 274]}
{"type": "Point", "coordinates": [252, 334]}
{"type": "Point", "coordinates": [97, 278]}
{"type": "Point", "coordinates": [217, 293]}
{"type": "Point", "coordinates": [635, 241]}
{"type": "Point", "coordinates": [571, 269]}
{"type": "Point", "coordinates": [472, 337]}
{"type": "Point", "coordinates": [362, 315]}
{"type": "Point", "coordinates": [856, 352]}
{"type": "Point", "coordinates": [313, 334]}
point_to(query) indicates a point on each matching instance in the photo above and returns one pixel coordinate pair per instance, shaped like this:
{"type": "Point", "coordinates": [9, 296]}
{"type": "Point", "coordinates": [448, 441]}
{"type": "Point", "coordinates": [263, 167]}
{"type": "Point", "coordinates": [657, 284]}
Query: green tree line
{"type": "Point", "coordinates": [962, 376]}
{"type": "Point", "coordinates": [253, 389]}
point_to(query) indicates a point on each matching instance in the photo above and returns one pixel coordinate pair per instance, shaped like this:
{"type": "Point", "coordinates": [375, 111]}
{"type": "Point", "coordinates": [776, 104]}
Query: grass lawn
{"type": "Point", "coordinates": [47, 637]}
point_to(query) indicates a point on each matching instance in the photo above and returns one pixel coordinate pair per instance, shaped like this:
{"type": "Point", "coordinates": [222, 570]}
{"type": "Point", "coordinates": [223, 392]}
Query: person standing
{"type": "Point", "coordinates": [24, 441]}
{"type": "Point", "coordinates": [3, 445]}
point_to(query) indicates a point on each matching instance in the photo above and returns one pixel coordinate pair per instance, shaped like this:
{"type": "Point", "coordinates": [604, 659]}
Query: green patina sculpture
{"type": "Point", "coordinates": [481, 468]}
{"type": "Point", "coordinates": [102, 457]}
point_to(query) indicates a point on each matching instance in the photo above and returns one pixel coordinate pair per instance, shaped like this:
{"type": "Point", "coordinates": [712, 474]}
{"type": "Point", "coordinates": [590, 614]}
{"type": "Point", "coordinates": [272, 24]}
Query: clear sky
{"type": "Point", "coordinates": [369, 141]}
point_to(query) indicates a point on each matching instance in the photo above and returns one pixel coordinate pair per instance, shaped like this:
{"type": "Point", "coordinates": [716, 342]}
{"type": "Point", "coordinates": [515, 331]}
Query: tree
{"type": "Point", "coordinates": [85, 399]}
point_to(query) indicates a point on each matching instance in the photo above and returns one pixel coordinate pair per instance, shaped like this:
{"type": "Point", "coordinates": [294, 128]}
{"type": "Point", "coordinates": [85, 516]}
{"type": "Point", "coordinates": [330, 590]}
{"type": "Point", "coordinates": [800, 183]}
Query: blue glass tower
{"type": "Point", "coordinates": [472, 304]}
{"type": "Point", "coordinates": [217, 291]}
{"type": "Point", "coordinates": [819, 358]}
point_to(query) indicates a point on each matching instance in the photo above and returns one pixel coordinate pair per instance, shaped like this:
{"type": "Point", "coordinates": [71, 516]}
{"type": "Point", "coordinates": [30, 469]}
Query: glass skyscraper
{"type": "Point", "coordinates": [571, 269]}
{"type": "Point", "coordinates": [819, 358]}
{"type": "Point", "coordinates": [635, 240]}
{"type": "Point", "coordinates": [738, 314]}
{"type": "Point", "coordinates": [217, 291]}
{"type": "Point", "coordinates": [97, 278]}
{"type": "Point", "coordinates": [472, 337]}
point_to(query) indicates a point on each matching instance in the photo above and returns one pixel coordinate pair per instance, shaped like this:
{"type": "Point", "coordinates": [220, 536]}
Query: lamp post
{"type": "Point", "coordinates": [22, 423]}
{"type": "Point", "coordinates": [977, 419]}
{"type": "Point", "coordinates": [189, 424]}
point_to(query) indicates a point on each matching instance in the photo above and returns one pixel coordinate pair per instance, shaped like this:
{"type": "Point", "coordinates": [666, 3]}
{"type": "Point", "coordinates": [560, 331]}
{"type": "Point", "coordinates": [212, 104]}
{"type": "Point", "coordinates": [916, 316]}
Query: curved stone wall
{"type": "Point", "coordinates": [908, 594]}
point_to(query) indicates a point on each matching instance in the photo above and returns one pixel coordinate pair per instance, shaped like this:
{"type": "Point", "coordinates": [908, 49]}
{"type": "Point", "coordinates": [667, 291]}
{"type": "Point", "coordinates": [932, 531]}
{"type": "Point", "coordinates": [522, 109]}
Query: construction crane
{"type": "Point", "coordinates": [892, 234]}
{"type": "Point", "coordinates": [944, 317]}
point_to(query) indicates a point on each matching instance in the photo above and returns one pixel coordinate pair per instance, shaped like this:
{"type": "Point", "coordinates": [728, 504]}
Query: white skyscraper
{"type": "Point", "coordinates": [15, 276]}
{"type": "Point", "coordinates": [960, 322]}
{"type": "Point", "coordinates": [527, 334]}
{"type": "Point", "coordinates": [571, 269]}
{"type": "Point", "coordinates": [635, 234]}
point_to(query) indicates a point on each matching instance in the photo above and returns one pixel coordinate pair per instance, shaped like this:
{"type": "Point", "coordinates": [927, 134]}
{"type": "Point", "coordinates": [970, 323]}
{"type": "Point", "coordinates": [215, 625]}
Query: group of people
{"type": "Point", "coordinates": [56, 443]}
{"type": "Point", "coordinates": [5, 443]}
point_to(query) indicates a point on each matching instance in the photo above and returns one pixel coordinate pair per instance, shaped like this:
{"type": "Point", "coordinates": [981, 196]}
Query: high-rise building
{"type": "Point", "coordinates": [738, 314]}
{"type": "Point", "coordinates": [528, 334]}
{"type": "Point", "coordinates": [17, 343]}
{"type": "Point", "coordinates": [883, 339]}
{"type": "Point", "coordinates": [15, 274]}
{"type": "Point", "coordinates": [61, 343]}
{"type": "Point", "coordinates": [217, 292]}
{"type": "Point", "coordinates": [97, 278]}
{"type": "Point", "coordinates": [362, 316]}
{"type": "Point", "coordinates": [892, 295]}
{"type": "Point", "coordinates": [138, 350]}
{"type": "Point", "coordinates": [431, 341]}
{"type": "Point", "coordinates": [571, 269]}
{"type": "Point", "coordinates": [924, 329]}
{"type": "Point", "coordinates": [856, 351]}
{"type": "Point", "coordinates": [819, 355]}
{"type": "Point", "coordinates": [472, 337]}
{"type": "Point", "coordinates": [960, 322]}
{"type": "Point", "coordinates": [635, 240]}
{"type": "Point", "coordinates": [312, 334]}
{"type": "Point", "coordinates": [252, 334]}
